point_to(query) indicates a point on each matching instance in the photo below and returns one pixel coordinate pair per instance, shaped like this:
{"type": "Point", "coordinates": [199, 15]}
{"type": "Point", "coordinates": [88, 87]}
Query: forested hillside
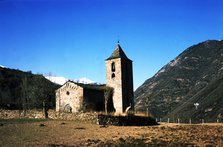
{"type": "Point", "coordinates": [24, 90]}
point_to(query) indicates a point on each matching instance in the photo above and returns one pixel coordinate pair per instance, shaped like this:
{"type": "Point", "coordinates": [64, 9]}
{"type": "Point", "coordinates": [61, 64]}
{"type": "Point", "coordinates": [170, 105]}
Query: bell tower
{"type": "Point", "coordinates": [119, 76]}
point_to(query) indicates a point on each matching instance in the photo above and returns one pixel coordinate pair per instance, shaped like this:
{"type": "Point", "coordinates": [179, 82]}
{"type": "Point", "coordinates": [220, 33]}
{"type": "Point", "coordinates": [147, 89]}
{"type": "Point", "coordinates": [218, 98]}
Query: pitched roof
{"type": "Point", "coordinates": [91, 86]}
{"type": "Point", "coordinates": [118, 53]}
{"type": "Point", "coordinates": [88, 86]}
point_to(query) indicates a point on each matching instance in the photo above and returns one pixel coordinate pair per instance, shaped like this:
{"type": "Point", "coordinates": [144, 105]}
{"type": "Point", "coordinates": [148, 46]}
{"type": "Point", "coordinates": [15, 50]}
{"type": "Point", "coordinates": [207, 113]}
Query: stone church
{"type": "Point", "coordinates": [75, 97]}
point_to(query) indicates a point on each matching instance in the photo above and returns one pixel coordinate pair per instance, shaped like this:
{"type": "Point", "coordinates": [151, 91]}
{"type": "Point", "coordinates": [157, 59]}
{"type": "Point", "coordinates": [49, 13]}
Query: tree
{"type": "Point", "coordinates": [29, 92]}
{"type": "Point", "coordinates": [108, 93]}
{"type": "Point", "coordinates": [24, 95]}
{"type": "Point", "coordinates": [147, 106]}
{"type": "Point", "coordinates": [45, 109]}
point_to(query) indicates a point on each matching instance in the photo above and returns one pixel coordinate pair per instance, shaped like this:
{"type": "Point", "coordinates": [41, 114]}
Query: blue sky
{"type": "Point", "coordinates": [72, 38]}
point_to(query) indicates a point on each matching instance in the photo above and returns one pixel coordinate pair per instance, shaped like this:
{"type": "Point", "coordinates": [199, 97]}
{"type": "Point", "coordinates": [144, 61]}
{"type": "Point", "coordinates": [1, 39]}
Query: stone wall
{"type": "Point", "coordinates": [93, 100]}
{"type": "Point", "coordinates": [115, 82]}
{"type": "Point", "coordinates": [75, 97]}
{"type": "Point", "coordinates": [127, 84]}
{"type": "Point", "coordinates": [16, 114]}
{"type": "Point", "coordinates": [69, 95]}
{"type": "Point", "coordinates": [122, 82]}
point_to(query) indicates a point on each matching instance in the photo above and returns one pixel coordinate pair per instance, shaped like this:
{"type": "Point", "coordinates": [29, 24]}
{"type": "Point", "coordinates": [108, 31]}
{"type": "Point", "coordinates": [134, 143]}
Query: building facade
{"type": "Point", "coordinates": [75, 97]}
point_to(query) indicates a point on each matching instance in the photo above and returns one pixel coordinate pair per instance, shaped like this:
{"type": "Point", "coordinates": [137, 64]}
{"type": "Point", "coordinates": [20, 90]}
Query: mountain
{"type": "Point", "coordinates": [195, 76]}
{"type": "Point", "coordinates": [85, 81]}
{"type": "Point", "coordinates": [62, 80]}
{"type": "Point", "coordinates": [57, 80]}
{"type": "Point", "coordinates": [24, 90]}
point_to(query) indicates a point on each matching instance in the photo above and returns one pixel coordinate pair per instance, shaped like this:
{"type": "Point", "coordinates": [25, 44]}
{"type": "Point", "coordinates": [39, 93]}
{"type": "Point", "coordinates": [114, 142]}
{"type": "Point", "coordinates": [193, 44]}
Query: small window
{"type": "Point", "coordinates": [113, 67]}
{"type": "Point", "coordinates": [113, 75]}
{"type": "Point", "coordinates": [68, 93]}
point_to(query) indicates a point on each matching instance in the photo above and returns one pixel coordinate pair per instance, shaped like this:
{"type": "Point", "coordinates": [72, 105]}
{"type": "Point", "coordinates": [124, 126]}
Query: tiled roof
{"type": "Point", "coordinates": [89, 86]}
{"type": "Point", "coordinates": [118, 53]}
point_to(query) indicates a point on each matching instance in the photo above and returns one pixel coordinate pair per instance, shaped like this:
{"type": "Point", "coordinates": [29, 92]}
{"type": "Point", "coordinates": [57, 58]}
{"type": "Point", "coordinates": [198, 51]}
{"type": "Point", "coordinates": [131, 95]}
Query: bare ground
{"type": "Point", "coordinates": [77, 133]}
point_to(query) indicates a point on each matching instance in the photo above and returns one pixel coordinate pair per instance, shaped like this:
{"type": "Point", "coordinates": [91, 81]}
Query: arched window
{"type": "Point", "coordinates": [113, 67]}
{"type": "Point", "coordinates": [67, 92]}
{"type": "Point", "coordinates": [113, 75]}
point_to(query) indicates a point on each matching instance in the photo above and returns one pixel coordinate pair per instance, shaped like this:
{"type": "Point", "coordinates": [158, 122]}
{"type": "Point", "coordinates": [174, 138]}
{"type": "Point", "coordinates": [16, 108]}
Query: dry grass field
{"type": "Point", "coordinates": [31, 132]}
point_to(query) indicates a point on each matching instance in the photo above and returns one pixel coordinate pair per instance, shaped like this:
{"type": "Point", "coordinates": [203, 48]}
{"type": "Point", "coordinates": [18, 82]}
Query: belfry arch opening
{"type": "Point", "coordinates": [113, 75]}
{"type": "Point", "coordinates": [113, 67]}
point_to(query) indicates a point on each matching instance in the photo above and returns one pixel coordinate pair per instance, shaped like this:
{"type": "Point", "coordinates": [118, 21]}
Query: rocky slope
{"type": "Point", "coordinates": [195, 76]}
